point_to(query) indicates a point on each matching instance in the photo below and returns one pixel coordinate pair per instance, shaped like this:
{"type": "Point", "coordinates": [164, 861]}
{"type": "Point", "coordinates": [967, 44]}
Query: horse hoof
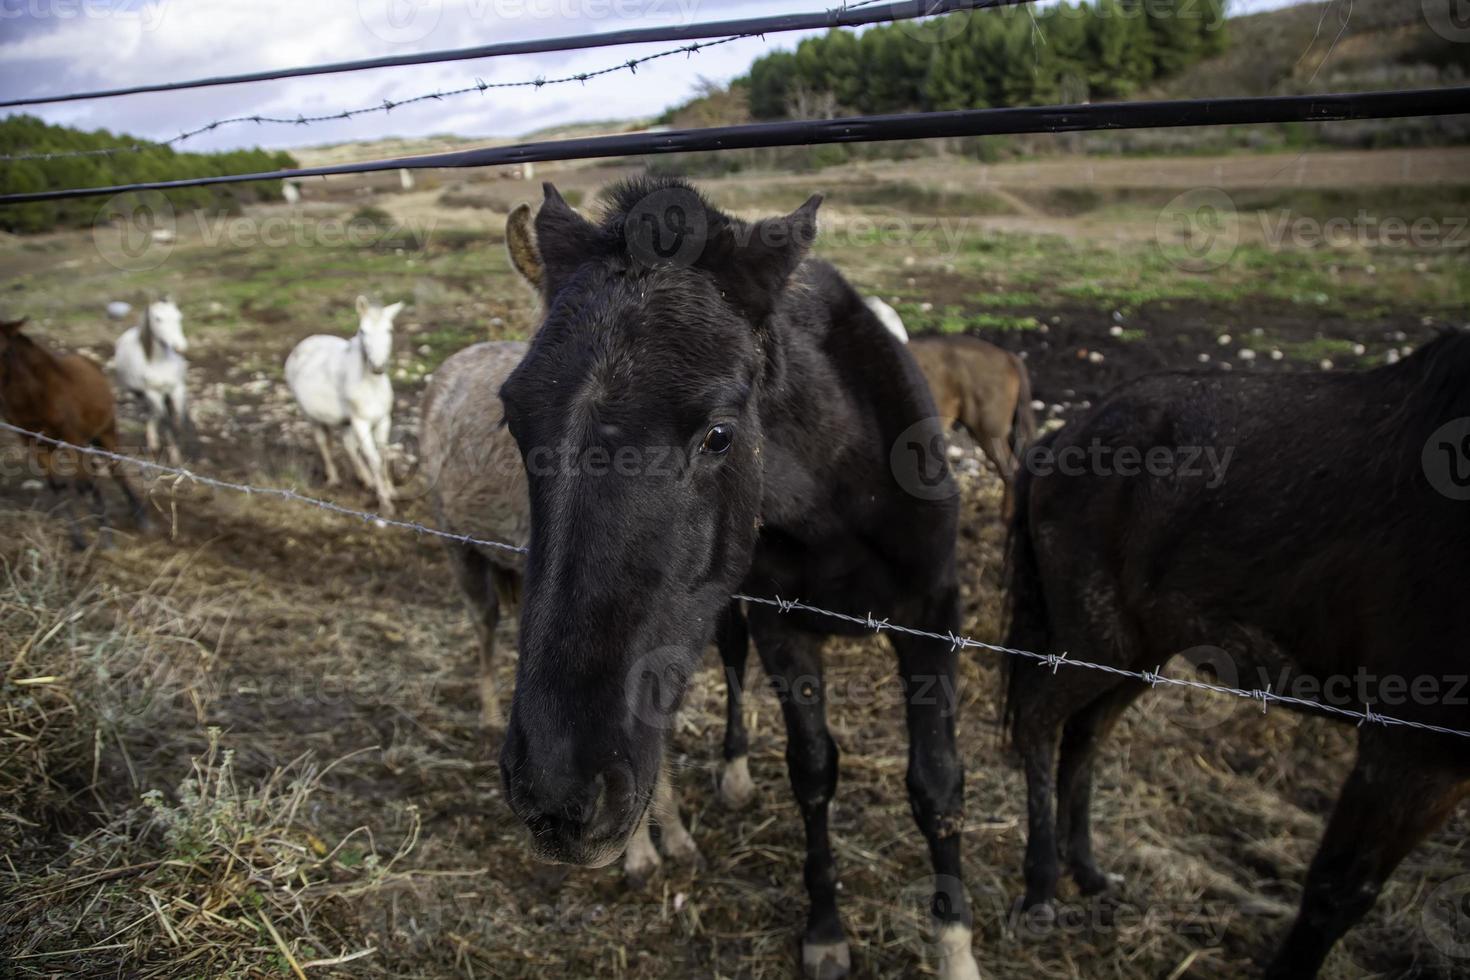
{"type": "Point", "coordinates": [1092, 881]}
{"type": "Point", "coordinates": [1033, 919]}
{"type": "Point", "coordinates": [825, 961]}
{"type": "Point", "coordinates": [639, 870]}
{"type": "Point", "coordinates": [956, 959]}
{"type": "Point", "coordinates": [736, 787]}
{"type": "Point", "coordinates": [681, 848]}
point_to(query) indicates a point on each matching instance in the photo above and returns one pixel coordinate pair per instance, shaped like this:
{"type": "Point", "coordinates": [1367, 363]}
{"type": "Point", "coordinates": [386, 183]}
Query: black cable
{"type": "Point", "coordinates": [862, 129]}
{"type": "Point", "coordinates": [855, 15]}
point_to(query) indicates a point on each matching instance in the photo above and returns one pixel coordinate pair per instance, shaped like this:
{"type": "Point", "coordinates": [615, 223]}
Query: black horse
{"type": "Point", "coordinates": [1328, 559]}
{"type": "Point", "coordinates": [704, 410]}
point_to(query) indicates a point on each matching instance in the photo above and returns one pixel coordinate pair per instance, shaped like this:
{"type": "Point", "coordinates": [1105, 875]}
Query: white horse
{"type": "Point", "coordinates": [150, 363]}
{"type": "Point", "coordinates": [343, 385]}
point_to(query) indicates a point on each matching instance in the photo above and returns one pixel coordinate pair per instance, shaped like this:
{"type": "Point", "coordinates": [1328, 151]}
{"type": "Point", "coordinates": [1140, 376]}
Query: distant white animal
{"type": "Point", "coordinates": [150, 364]}
{"type": "Point", "coordinates": [118, 310]}
{"type": "Point", "coordinates": [290, 193]}
{"type": "Point", "coordinates": [343, 385]}
{"type": "Point", "coordinates": [887, 316]}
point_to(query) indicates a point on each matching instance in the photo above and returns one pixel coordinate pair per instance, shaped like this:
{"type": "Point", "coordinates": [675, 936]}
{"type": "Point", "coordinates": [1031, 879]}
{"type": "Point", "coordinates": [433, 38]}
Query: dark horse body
{"type": "Point", "coordinates": [1326, 551]}
{"type": "Point", "coordinates": [64, 397]}
{"type": "Point", "coordinates": [692, 427]}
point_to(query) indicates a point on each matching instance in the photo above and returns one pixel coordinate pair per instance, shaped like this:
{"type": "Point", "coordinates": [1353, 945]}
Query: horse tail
{"type": "Point", "coordinates": [1027, 626]}
{"type": "Point", "coordinates": [1023, 427]}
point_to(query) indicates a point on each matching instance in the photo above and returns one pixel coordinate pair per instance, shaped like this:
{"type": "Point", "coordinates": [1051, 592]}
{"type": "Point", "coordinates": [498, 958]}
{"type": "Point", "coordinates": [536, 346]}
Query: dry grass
{"type": "Point", "coordinates": [217, 877]}
{"type": "Point", "coordinates": [308, 638]}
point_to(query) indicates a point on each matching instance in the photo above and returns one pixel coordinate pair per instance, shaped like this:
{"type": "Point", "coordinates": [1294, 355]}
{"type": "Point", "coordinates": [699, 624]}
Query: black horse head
{"type": "Point", "coordinates": [638, 415]}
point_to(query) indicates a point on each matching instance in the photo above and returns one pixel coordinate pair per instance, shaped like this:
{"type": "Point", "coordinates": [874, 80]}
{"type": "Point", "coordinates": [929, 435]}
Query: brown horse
{"type": "Point", "coordinates": [64, 397]}
{"type": "Point", "coordinates": [983, 388]}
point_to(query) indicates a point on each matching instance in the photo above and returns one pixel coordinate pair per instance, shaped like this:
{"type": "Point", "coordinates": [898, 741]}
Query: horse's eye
{"type": "Point", "coordinates": [718, 439]}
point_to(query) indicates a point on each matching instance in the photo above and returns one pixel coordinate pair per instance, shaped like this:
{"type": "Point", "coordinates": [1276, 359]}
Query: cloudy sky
{"type": "Point", "coordinates": [50, 46]}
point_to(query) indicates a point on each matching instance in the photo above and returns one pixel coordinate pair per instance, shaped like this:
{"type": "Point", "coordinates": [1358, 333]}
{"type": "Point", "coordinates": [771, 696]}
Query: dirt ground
{"type": "Point", "coordinates": [304, 632]}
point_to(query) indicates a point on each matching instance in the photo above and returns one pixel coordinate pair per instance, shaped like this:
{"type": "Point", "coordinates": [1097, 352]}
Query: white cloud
{"type": "Point", "coordinates": [112, 43]}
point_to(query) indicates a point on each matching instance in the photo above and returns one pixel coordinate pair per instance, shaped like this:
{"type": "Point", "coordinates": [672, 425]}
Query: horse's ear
{"type": "Point", "coordinates": [392, 310]}
{"type": "Point", "coordinates": [753, 262]}
{"type": "Point", "coordinates": [520, 243]}
{"type": "Point", "coordinates": [564, 239]}
{"type": "Point", "coordinates": [363, 305]}
{"type": "Point", "coordinates": [11, 327]}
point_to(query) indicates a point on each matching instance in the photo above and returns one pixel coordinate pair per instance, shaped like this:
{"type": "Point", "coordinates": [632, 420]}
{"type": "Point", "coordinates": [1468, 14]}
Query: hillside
{"type": "Point", "coordinates": [1313, 47]}
{"type": "Point", "coordinates": [115, 158]}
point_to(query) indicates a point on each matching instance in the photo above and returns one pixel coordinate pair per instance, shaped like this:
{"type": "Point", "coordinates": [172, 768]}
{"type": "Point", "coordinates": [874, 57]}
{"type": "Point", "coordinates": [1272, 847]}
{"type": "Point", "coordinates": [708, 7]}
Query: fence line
{"type": "Point", "coordinates": [387, 105]}
{"type": "Point", "coordinates": [856, 14]}
{"type": "Point", "coordinates": [480, 85]}
{"type": "Point", "coordinates": [1053, 660]}
{"type": "Point", "coordinates": [865, 129]}
{"type": "Point", "coordinates": [249, 490]}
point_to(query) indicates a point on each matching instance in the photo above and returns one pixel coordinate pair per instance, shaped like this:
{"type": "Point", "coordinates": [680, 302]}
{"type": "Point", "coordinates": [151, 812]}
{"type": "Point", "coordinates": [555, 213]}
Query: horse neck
{"type": "Point", "coordinates": [357, 346]}
{"type": "Point", "coordinates": [154, 346]}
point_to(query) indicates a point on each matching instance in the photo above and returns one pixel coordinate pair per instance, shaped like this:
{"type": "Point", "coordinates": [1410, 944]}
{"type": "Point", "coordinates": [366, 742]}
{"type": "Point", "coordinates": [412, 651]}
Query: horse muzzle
{"type": "Point", "coordinates": [572, 820]}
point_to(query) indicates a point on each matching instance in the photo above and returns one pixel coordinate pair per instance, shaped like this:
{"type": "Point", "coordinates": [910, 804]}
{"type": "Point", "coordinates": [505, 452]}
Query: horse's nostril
{"type": "Point", "coordinates": [592, 802]}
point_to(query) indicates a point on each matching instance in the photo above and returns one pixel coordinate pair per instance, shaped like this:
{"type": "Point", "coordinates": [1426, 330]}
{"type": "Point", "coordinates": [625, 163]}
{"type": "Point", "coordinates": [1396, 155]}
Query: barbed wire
{"type": "Point", "coordinates": [958, 641]}
{"type": "Point", "coordinates": [386, 106]}
{"type": "Point", "coordinates": [842, 15]}
{"type": "Point", "coordinates": [250, 490]}
{"type": "Point", "coordinates": [834, 16]}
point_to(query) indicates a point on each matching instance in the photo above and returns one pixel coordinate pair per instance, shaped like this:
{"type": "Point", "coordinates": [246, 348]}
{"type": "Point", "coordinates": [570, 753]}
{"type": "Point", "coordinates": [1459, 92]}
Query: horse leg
{"type": "Point", "coordinates": [936, 780]}
{"type": "Point", "coordinates": [108, 441]}
{"type": "Point", "coordinates": [324, 446]}
{"type": "Point", "coordinates": [472, 572]}
{"type": "Point", "coordinates": [1037, 734]}
{"type": "Point", "coordinates": [381, 430]}
{"type": "Point", "coordinates": [377, 479]}
{"type": "Point", "coordinates": [354, 456]}
{"type": "Point", "coordinates": [171, 430]}
{"type": "Point", "coordinates": [675, 837]}
{"type": "Point", "coordinates": [60, 485]}
{"type": "Point", "coordinates": [793, 661]}
{"type": "Point", "coordinates": [641, 859]}
{"type": "Point", "coordinates": [93, 488]}
{"type": "Point", "coordinates": [1081, 737]}
{"type": "Point", "coordinates": [1389, 804]}
{"type": "Point", "coordinates": [732, 636]}
{"type": "Point", "coordinates": [998, 450]}
{"type": "Point", "coordinates": [155, 410]}
{"type": "Point", "coordinates": [180, 429]}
